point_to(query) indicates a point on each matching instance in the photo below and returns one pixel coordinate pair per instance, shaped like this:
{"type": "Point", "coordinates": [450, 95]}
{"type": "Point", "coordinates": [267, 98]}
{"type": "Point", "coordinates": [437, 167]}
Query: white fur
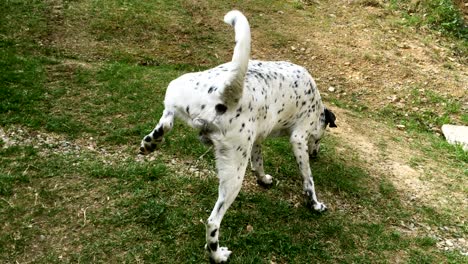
{"type": "Point", "coordinates": [236, 106]}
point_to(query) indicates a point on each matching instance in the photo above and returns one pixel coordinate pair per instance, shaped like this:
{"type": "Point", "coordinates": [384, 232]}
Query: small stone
{"type": "Point", "coordinates": [293, 48]}
{"type": "Point", "coordinates": [449, 243]}
{"type": "Point", "coordinates": [331, 89]}
{"type": "Point", "coordinates": [249, 228]}
{"type": "Point", "coordinates": [400, 127]}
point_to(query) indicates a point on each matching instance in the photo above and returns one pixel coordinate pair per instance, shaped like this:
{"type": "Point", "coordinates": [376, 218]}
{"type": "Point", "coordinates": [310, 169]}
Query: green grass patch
{"type": "Point", "coordinates": [425, 109]}
{"type": "Point", "coordinates": [442, 15]}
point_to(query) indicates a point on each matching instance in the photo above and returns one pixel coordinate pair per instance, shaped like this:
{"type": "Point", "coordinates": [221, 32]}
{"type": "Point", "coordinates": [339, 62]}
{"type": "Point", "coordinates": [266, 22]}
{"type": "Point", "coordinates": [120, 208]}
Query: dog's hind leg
{"type": "Point", "coordinates": [231, 162]}
{"type": "Point", "coordinates": [150, 141]}
{"type": "Point", "coordinates": [300, 149]}
{"type": "Point", "coordinates": [257, 166]}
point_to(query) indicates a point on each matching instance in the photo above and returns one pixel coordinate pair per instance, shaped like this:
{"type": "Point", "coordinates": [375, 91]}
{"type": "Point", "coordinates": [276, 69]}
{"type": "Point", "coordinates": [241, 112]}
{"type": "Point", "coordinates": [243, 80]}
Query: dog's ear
{"type": "Point", "coordinates": [330, 118]}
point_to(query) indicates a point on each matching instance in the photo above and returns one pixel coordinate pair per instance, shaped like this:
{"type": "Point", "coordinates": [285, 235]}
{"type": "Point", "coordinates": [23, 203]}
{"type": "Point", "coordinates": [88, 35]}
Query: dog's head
{"type": "Point", "coordinates": [328, 119]}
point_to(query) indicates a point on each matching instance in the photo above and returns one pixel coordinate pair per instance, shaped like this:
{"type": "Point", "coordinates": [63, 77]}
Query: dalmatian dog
{"type": "Point", "coordinates": [235, 106]}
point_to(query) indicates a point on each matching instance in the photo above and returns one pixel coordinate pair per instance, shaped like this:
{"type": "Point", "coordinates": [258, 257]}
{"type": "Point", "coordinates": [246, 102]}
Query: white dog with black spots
{"type": "Point", "coordinates": [236, 106]}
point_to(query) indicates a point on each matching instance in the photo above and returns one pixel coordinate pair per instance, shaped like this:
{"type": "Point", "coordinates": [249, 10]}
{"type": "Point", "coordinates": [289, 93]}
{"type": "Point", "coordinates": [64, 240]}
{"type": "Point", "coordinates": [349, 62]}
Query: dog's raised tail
{"type": "Point", "coordinates": [241, 56]}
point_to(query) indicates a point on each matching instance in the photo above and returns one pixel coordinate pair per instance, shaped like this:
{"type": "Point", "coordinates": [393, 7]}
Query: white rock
{"type": "Point", "coordinates": [456, 135]}
{"type": "Point", "coordinates": [331, 89]}
{"type": "Point", "coordinates": [449, 243]}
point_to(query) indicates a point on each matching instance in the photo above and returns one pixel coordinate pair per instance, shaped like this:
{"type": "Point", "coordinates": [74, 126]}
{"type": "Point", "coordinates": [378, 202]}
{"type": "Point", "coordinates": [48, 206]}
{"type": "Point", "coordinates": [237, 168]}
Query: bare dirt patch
{"type": "Point", "coordinates": [375, 144]}
{"type": "Point", "coordinates": [385, 158]}
{"type": "Point", "coordinates": [364, 53]}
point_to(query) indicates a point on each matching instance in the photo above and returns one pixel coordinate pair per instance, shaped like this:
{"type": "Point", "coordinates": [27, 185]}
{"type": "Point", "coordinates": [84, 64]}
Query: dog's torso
{"type": "Point", "coordinates": [277, 98]}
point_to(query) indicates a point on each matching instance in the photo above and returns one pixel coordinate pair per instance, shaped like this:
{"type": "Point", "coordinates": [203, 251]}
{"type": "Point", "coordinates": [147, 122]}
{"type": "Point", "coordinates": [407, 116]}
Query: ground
{"type": "Point", "coordinates": [92, 75]}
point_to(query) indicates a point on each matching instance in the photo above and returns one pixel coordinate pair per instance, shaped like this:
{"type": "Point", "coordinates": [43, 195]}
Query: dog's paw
{"type": "Point", "coordinates": [319, 207]}
{"type": "Point", "coordinates": [220, 256]}
{"type": "Point", "coordinates": [265, 181]}
{"type": "Point", "coordinates": [148, 145]}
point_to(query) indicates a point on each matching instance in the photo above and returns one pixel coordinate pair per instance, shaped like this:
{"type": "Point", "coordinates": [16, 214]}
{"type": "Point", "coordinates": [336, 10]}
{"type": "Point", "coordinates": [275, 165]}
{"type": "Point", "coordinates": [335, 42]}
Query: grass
{"type": "Point", "coordinates": [443, 16]}
{"type": "Point", "coordinates": [138, 207]}
{"type": "Point", "coordinates": [79, 99]}
{"type": "Point", "coordinates": [425, 110]}
{"type": "Point", "coordinates": [439, 15]}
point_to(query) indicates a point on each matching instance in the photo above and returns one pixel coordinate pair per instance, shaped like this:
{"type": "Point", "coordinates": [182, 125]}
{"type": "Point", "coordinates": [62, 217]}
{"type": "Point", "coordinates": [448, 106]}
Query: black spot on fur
{"type": "Point", "coordinates": [187, 109]}
{"type": "Point", "coordinates": [213, 233]}
{"type": "Point", "coordinates": [213, 246]}
{"type": "Point", "coordinates": [158, 132]}
{"type": "Point", "coordinates": [202, 107]}
{"type": "Point", "coordinates": [212, 89]}
{"type": "Point", "coordinates": [147, 138]}
{"type": "Point", "coordinates": [220, 109]}
{"type": "Point", "coordinates": [220, 206]}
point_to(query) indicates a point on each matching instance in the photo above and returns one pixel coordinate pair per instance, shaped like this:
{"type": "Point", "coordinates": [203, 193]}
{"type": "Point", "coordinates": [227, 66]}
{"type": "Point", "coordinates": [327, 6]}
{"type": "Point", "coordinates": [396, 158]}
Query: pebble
{"type": "Point", "coordinates": [331, 89]}
{"type": "Point", "coordinates": [449, 243]}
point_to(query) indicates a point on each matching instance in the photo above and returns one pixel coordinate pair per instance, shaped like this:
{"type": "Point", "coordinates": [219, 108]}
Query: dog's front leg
{"type": "Point", "coordinates": [300, 149]}
{"type": "Point", "coordinates": [150, 141]}
{"type": "Point", "coordinates": [231, 163]}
